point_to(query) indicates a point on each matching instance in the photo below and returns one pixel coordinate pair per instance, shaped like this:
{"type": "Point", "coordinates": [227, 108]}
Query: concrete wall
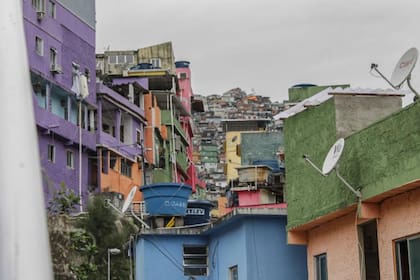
{"type": "Point", "coordinates": [160, 256]}
{"type": "Point", "coordinates": [233, 138]}
{"type": "Point", "coordinates": [399, 219]}
{"type": "Point", "coordinates": [163, 51]}
{"type": "Point", "coordinates": [84, 9]}
{"type": "Point", "coordinates": [257, 245]}
{"type": "Point", "coordinates": [354, 113]}
{"type": "Point", "coordinates": [338, 239]}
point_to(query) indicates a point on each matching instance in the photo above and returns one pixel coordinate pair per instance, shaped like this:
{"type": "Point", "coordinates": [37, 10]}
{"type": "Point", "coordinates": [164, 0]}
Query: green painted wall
{"type": "Point", "coordinates": [378, 158]}
{"type": "Point", "coordinates": [300, 93]}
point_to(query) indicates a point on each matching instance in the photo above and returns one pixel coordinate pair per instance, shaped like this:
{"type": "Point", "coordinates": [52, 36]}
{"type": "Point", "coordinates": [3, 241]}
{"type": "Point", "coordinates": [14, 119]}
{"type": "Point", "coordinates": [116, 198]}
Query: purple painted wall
{"type": "Point", "coordinates": [74, 42]}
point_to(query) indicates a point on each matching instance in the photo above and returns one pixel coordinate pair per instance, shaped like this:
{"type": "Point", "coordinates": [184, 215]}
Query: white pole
{"type": "Point", "coordinates": [80, 155]}
{"type": "Point", "coordinates": [25, 252]}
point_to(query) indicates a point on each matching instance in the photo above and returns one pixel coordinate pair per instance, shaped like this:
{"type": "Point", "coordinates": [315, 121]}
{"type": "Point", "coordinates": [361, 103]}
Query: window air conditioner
{"type": "Point", "coordinates": [56, 69]}
{"type": "Point", "coordinates": [40, 14]}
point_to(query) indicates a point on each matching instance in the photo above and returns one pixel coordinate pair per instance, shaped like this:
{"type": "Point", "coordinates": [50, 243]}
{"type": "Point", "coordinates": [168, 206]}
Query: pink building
{"type": "Point", "coordinates": [185, 93]}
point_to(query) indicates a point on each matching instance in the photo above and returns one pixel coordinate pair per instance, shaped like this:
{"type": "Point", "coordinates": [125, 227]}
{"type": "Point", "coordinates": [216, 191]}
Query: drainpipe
{"type": "Point", "coordinates": [173, 152]}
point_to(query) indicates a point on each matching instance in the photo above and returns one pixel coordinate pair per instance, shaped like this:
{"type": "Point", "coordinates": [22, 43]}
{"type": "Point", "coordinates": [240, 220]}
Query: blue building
{"type": "Point", "coordinates": [246, 244]}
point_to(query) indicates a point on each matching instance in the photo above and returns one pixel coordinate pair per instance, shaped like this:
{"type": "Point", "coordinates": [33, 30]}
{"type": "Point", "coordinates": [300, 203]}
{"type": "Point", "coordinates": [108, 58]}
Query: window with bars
{"type": "Point", "coordinates": [195, 260]}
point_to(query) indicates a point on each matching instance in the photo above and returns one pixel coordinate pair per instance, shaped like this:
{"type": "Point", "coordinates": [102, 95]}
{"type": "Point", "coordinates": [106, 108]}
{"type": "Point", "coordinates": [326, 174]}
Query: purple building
{"type": "Point", "coordinates": [60, 37]}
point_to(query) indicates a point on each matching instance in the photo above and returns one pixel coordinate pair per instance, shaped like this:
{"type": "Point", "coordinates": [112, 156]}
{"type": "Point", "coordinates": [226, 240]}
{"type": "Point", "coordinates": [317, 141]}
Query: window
{"type": "Point", "coordinates": [155, 62]}
{"type": "Point", "coordinates": [113, 161]}
{"type": "Point", "coordinates": [121, 59]}
{"type": "Point", "coordinates": [51, 153]}
{"type": "Point", "coordinates": [52, 9]}
{"type": "Point", "coordinates": [75, 72]}
{"type": "Point", "coordinates": [233, 272]}
{"type": "Point", "coordinates": [39, 46]}
{"type": "Point", "coordinates": [38, 5]}
{"type": "Point", "coordinates": [321, 272]}
{"type": "Point", "coordinates": [195, 260]}
{"type": "Point", "coordinates": [53, 58]}
{"type": "Point", "coordinates": [408, 258]}
{"type": "Point", "coordinates": [126, 168]}
{"type": "Point", "coordinates": [138, 137]}
{"type": "Point", "coordinates": [70, 159]}
{"type": "Point", "coordinates": [182, 76]}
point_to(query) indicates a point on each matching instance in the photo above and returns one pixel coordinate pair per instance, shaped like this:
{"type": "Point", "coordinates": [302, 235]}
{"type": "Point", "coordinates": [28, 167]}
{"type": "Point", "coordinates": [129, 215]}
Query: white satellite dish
{"type": "Point", "coordinates": [404, 67]}
{"type": "Point", "coordinates": [333, 156]}
{"type": "Point", "coordinates": [129, 199]}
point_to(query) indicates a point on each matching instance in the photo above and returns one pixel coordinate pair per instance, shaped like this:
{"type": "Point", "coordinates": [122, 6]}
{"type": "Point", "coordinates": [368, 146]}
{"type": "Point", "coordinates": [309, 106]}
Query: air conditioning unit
{"type": "Point", "coordinates": [40, 14]}
{"type": "Point", "coordinates": [56, 69]}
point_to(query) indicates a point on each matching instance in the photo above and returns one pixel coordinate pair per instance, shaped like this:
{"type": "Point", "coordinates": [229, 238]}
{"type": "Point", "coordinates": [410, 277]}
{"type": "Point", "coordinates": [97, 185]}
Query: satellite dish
{"type": "Point", "coordinates": [404, 67]}
{"type": "Point", "coordinates": [333, 156]}
{"type": "Point", "coordinates": [129, 199]}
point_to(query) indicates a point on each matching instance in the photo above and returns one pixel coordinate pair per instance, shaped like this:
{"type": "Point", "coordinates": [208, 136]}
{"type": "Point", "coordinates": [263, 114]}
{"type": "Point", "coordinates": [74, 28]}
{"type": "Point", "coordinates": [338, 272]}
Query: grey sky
{"type": "Point", "coordinates": [268, 45]}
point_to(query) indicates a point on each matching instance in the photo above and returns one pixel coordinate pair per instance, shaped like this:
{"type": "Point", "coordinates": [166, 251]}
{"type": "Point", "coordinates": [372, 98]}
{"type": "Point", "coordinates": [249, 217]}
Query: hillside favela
{"type": "Point", "coordinates": [115, 167]}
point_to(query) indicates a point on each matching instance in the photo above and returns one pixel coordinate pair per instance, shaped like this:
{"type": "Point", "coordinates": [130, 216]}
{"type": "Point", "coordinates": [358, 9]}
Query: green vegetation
{"type": "Point", "coordinates": [80, 244]}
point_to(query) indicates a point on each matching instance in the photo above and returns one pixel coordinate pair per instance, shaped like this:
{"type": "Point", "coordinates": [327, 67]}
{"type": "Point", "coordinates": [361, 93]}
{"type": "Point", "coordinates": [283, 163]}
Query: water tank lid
{"type": "Point", "coordinates": [176, 185]}
{"type": "Point", "coordinates": [194, 202]}
{"type": "Point", "coordinates": [182, 64]}
{"type": "Point", "coordinates": [303, 85]}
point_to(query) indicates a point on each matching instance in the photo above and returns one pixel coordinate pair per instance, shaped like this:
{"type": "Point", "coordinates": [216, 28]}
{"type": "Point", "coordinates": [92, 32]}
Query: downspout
{"type": "Point", "coordinates": [173, 152]}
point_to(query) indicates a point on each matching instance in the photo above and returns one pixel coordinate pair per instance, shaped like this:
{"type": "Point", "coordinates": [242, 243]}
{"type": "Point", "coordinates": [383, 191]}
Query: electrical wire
{"type": "Point", "coordinates": [167, 254]}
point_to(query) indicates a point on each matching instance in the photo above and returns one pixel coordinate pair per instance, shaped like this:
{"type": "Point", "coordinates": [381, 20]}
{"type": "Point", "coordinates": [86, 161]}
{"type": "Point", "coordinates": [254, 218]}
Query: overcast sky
{"type": "Point", "coordinates": [268, 45]}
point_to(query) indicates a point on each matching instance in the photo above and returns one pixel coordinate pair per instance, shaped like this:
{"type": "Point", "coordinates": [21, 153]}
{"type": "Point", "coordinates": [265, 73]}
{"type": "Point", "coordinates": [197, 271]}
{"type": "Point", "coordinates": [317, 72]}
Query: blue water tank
{"type": "Point", "coordinates": [182, 64]}
{"type": "Point", "coordinates": [166, 199]}
{"type": "Point", "coordinates": [142, 66]}
{"type": "Point", "coordinates": [198, 212]}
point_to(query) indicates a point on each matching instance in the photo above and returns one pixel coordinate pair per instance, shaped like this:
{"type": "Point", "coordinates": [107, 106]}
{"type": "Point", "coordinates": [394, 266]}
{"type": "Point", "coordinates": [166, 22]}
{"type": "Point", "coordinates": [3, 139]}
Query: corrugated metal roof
{"type": "Point", "coordinates": [328, 93]}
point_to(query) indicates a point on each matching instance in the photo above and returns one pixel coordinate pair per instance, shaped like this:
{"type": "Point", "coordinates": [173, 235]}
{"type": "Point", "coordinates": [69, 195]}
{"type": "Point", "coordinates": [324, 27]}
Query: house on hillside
{"type": "Point", "coordinates": [60, 41]}
{"type": "Point", "coordinates": [376, 235]}
{"type": "Point", "coordinates": [245, 244]}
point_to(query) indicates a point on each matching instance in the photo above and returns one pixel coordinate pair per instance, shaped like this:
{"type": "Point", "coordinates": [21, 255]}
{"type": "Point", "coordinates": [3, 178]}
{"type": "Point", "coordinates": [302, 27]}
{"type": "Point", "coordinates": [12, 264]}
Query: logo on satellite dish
{"type": "Point", "coordinates": [333, 156]}
{"type": "Point", "coordinates": [407, 63]}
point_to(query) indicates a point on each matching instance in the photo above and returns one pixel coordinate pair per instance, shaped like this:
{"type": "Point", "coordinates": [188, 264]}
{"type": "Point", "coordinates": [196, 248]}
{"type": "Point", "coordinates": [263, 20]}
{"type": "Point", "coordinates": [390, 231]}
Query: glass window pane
{"type": "Point", "coordinates": [414, 253]}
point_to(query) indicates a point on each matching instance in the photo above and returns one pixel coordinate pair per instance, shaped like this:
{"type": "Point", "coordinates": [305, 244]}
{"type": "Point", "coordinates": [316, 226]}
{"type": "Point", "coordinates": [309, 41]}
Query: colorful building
{"type": "Point", "coordinates": [60, 38]}
{"type": "Point", "coordinates": [245, 244]}
{"type": "Point", "coordinates": [121, 121]}
{"type": "Point", "coordinates": [166, 104]}
{"type": "Point", "coordinates": [376, 235]}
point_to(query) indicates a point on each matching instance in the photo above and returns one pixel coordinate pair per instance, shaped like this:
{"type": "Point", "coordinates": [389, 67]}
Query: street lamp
{"type": "Point", "coordinates": [111, 251]}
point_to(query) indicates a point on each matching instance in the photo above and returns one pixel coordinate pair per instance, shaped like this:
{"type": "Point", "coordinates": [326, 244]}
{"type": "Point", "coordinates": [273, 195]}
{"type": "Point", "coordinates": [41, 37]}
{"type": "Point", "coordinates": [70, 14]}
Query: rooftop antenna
{"type": "Point", "coordinates": [127, 204]}
{"type": "Point", "coordinates": [331, 163]}
{"type": "Point", "coordinates": [402, 71]}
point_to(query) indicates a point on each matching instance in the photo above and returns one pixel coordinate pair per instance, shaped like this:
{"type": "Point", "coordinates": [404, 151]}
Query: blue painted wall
{"type": "Point", "coordinates": [160, 256]}
{"type": "Point", "coordinates": [256, 244]}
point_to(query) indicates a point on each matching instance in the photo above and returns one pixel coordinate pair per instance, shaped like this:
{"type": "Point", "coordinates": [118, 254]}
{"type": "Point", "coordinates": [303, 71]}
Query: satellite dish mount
{"type": "Point", "coordinates": [402, 71]}
{"type": "Point", "coordinates": [331, 163]}
{"type": "Point", "coordinates": [127, 204]}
